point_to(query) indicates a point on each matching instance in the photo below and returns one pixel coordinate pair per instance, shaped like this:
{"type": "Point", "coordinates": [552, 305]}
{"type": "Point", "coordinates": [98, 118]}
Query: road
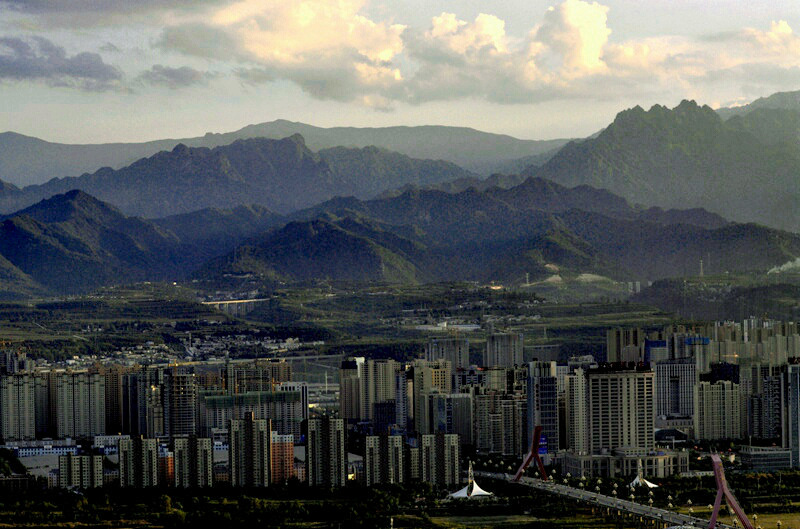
{"type": "Point", "coordinates": [669, 517]}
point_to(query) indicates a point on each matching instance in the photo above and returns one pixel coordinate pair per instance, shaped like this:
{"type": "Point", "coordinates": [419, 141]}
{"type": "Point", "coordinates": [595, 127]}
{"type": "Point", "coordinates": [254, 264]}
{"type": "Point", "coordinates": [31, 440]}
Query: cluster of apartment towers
{"type": "Point", "coordinates": [718, 381]}
{"type": "Point", "coordinates": [726, 380]}
{"type": "Point", "coordinates": [164, 423]}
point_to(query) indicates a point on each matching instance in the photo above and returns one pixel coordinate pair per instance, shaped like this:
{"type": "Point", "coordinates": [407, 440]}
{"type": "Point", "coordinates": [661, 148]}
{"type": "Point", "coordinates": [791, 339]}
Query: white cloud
{"type": "Point", "coordinates": [333, 49]}
{"type": "Point", "coordinates": [575, 32]}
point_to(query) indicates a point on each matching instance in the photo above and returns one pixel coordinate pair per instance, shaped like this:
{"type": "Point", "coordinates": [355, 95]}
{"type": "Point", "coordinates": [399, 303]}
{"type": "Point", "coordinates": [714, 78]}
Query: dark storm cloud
{"type": "Point", "coordinates": [38, 59]}
{"type": "Point", "coordinates": [182, 77]}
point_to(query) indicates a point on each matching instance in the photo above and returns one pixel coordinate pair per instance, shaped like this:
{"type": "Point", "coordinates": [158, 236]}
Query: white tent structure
{"type": "Point", "coordinates": [639, 481]}
{"type": "Point", "coordinates": [472, 490]}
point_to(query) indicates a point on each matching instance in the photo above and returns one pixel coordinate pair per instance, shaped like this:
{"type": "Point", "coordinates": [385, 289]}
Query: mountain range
{"type": "Point", "coordinates": [283, 175]}
{"type": "Point", "coordinates": [25, 160]}
{"type": "Point", "coordinates": [73, 242]}
{"type": "Point", "coordinates": [746, 168]}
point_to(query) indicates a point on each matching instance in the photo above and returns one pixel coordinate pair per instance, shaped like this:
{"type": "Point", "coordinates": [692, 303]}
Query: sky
{"type": "Point", "coordinates": [93, 71]}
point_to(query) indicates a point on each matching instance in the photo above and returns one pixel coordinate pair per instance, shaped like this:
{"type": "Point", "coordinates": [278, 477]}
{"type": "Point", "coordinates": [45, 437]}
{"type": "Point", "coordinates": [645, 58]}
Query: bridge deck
{"type": "Point", "coordinates": [593, 498]}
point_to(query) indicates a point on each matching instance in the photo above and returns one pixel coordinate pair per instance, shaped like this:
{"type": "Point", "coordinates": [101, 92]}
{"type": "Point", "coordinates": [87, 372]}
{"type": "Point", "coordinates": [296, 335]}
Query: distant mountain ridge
{"type": "Point", "coordinates": [283, 175]}
{"type": "Point", "coordinates": [746, 169]}
{"type": "Point", "coordinates": [25, 160]}
{"type": "Point", "coordinates": [777, 101]}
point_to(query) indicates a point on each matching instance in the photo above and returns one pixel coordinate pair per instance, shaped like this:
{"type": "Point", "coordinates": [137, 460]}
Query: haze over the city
{"type": "Point", "coordinates": [85, 71]}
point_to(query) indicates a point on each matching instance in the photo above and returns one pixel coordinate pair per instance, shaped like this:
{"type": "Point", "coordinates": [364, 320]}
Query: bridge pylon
{"type": "Point", "coordinates": [533, 454]}
{"type": "Point", "coordinates": [723, 490]}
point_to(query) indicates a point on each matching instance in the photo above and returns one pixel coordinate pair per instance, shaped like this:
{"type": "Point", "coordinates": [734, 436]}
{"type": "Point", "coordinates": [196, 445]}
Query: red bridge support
{"type": "Point", "coordinates": [722, 489]}
{"type": "Point", "coordinates": [533, 454]}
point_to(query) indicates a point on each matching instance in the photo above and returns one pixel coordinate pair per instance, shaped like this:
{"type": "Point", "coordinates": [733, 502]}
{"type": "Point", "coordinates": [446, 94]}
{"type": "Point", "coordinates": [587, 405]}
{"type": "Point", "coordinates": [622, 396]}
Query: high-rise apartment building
{"type": "Point", "coordinates": [180, 402]}
{"type": "Point", "coordinates": [624, 345]}
{"type": "Point", "coordinates": [17, 407]}
{"type": "Point", "coordinates": [440, 459]}
{"type": "Point", "coordinates": [384, 459]}
{"type": "Point", "coordinates": [452, 413]}
{"type": "Point", "coordinates": [326, 463]}
{"type": "Point", "coordinates": [503, 350]}
{"type": "Point", "coordinates": [621, 408]}
{"type": "Point", "coordinates": [283, 408]}
{"type": "Point", "coordinates": [263, 374]}
{"type": "Point", "coordinates": [281, 454]}
{"type": "Point", "coordinates": [500, 423]}
{"type": "Point", "coordinates": [717, 410]}
{"type": "Point", "coordinates": [193, 460]}
{"type": "Point", "coordinates": [248, 453]}
{"type": "Point", "coordinates": [674, 383]}
{"type": "Point", "coordinates": [377, 384]}
{"type": "Point", "coordinates": [454, 350]}
{"type": "Point", "coordinates": [349, 389]}
{"type": "Point", "coordinates": [791, 405]}
{"type": "Point", "coordinates": [138, 462]}
{"type": "Point", "coordinates": [84, 472]}
{"type": "Point", "coordinates": [428, 378]}
{"type": "Point", "coordinates": [77, 402]}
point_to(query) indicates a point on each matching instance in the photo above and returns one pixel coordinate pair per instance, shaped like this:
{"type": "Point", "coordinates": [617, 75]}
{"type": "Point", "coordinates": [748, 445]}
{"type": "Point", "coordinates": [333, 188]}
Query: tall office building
{"type": "Point", "coordinates": [17, 407]}
{"type": "Point", "coordinates": [542, 396]}
{"type": "Point", "coordinates": [85, 472]}
{"type": "Point", "coordinates": [503, 350]}
{"type": "Point", "coordinates": [349, 389]}
{"type": "Point", "coordinates": [138, 462]}
{"type": "Point", "coordinates": [193, 461]}
{"type": "Point", "coordinates": [326, 458]}
{"type": "Point", "coordinates": [377, 384]}
{"type": "Point", "coordinates": [77, 402]}
{"type": "Point", "coordinates": [248, 452]}
{"type": "Point", "coordinates": [384, 459]}
{"type": "Point", "coordinates": [454, 350]}
{"type": "Point", "coordinates": [675, 380]}
{"type": "Point", "coordinates": [717, 410]}
{"type": "Point", "coordinates": [440, 459]}
{"type": "Point", "coordinates": [180, 402]}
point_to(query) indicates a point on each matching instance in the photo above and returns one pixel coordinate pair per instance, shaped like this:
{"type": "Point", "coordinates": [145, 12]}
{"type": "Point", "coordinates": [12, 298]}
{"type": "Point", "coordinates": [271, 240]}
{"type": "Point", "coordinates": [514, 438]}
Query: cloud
{"type": "Point", "coordinates": [200, 40]}
{"type": "Point", "coordinates": [83, 13]}
{"type": "Point", "coordinates": [575, 34]}
{"type": "Point", "coordinates": [332, 50]}
{"type": "Point", "coordinates": [38, 59]}
{"type": "Point", "coordinates": [327, 48]}
{"type": "Point", "coordinates": [181, 77]}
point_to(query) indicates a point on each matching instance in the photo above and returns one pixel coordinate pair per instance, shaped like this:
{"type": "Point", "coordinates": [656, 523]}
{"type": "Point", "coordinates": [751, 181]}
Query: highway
{"type": "Point", "coordinates": [670, 518]}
